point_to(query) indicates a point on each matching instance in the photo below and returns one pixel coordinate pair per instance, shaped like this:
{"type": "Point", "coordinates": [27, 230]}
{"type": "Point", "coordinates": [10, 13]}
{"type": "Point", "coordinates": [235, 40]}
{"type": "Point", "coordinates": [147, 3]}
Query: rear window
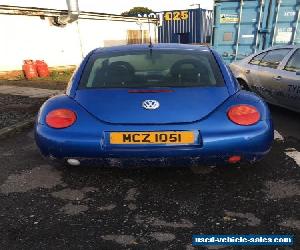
{"type": "Point", "coordinates": [152, 68]}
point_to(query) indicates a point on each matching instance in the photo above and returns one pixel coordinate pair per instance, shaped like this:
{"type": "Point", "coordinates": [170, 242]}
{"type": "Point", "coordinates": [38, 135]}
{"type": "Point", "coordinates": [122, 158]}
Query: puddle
{"type": "Point", "coordinates": [132, 206]}
{"type": "Point", "coordinates": [131, 194]}
{"type": "Point", "coordinates": [107, 207]}
{"type": "Point", "coordinates": [291, 223]}
{"type": "Point", "coordinates": [120, 239]}
{"type": "Point", "coordinates": [281, 189]}
{"type": "Point", "coordinates": [73, 194]}
{"type": "Point", "coordinates": [161, 223]}
{"type": "Point", "coordinates": [251, 219]}
{"type": "Point", "coordinates": [71, 209]}
{"type": "Point", "coordinates": [162, 236]}
{"type": "Point", "coordinates": [44, 176]}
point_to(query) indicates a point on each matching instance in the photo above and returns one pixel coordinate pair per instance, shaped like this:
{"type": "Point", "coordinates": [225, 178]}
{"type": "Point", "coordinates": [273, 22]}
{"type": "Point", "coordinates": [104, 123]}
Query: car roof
{"type": "Point", "coordinates": [246, 59]}
{"type": "Point", "coordinates": [162, 46]}
{"type": "Point", "coordinates": [283, 47]}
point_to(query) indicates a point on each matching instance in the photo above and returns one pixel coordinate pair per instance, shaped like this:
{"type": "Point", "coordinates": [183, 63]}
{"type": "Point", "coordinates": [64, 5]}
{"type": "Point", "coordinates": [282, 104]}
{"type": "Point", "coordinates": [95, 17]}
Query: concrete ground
{"type": "Point", "coordinates": [45, 206]}
{"type": "Point", "coordinates": [30, 92]}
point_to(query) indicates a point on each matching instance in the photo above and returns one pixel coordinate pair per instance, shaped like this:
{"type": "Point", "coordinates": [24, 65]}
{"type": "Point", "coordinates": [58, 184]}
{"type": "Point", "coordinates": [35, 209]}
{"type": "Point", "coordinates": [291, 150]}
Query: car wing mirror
{"type": "Point", "coordinates": [298, 73]}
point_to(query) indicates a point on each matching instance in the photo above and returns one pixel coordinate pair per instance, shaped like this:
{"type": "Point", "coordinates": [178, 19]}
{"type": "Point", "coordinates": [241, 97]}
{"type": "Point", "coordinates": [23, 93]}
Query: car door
{"type": "Point", "coordinates": [290, 82]}
{"type": "Point", "coordinates": [268, 73]}
{"type": "Point", "coordinates": [250, 71]}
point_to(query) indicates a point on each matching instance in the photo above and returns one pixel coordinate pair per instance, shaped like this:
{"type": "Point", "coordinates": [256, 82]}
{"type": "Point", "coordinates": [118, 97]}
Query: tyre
{"type": "Point", "coordinates": [243, 85]}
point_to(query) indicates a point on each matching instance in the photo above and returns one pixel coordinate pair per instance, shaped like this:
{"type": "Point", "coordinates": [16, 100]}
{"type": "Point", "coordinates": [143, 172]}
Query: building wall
{"type": "Point", "coordinates": [30, 37]}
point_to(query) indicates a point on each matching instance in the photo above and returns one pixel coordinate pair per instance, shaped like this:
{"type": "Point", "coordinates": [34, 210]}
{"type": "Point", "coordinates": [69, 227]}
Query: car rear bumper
{"type": "Point", "coordinates": [214, 145]}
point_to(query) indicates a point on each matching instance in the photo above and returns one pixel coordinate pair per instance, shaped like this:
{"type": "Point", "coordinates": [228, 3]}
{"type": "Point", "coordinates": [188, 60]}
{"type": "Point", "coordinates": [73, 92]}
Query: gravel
{"type": "Point", "coordinates": [14, 109]}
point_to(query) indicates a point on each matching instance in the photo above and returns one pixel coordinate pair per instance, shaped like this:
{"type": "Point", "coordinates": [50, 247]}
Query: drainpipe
{"type": "Point", "coordinates": [73, 14]}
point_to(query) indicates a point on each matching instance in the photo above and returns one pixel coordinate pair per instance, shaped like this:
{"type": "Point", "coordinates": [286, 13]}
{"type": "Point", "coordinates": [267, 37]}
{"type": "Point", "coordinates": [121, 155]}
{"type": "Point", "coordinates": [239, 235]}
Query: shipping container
{"type": "Point", "coordinates": [185, 26]}
{"type": "Point", "coordinates": [244, 27]}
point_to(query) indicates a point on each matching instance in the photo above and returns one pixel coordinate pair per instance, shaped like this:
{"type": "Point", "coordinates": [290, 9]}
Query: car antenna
{"type": "Point", "coordinates": [150, 38]}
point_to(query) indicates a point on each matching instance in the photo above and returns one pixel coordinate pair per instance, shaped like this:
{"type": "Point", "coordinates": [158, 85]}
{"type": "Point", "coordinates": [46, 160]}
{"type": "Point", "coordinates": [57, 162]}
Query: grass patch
{"type": "Point", "coordinates": [57, 76]}
{"type": "Point", "coordinates": [58, 79]}
{"type": "Point", "coordinates": [62, 76]}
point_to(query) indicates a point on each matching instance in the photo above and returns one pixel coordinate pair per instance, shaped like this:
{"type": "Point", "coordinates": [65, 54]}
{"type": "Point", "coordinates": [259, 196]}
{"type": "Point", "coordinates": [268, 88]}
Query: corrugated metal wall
{"type": "Point", "coordinates": [185, 26]}
{"type": "Point", "coordinates": [286, 25]}
{"type": "Point", "coordinates": [243, 27]}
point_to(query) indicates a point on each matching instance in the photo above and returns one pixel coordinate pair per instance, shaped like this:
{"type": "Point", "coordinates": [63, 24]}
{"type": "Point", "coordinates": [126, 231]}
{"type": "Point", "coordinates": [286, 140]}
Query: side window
{"type": "Point", "coordinates": [274, 58]}
{"type": "Point", "coordinates": [294, 62]}
{"type": "Point", "coordinates": [256, 60]}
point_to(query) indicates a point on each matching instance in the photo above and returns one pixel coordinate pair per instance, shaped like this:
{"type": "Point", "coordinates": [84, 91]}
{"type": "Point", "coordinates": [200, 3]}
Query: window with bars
{"type": "Point", "coordinates": [137, 36]}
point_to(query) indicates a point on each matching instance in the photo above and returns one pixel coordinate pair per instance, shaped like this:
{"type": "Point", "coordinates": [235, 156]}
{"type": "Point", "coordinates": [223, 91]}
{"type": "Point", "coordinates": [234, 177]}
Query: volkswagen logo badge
{"type": "Point", "coordinates": [150, 104]}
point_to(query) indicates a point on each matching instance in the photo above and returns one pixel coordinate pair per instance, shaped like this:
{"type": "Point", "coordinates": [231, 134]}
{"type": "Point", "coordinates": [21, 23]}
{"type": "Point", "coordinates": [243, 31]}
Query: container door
{"type": "Point", "coordinates": [285, 24]}
{"type": "Point", "coordinates": [269, 75]}
{"type": "Point", "coordinates": [235, 33]}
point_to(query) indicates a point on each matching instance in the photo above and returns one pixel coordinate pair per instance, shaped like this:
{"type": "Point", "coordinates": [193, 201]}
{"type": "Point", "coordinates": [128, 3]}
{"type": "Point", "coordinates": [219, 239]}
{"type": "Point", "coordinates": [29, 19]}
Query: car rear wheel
{"type": "Point", "coordinates": [243, 84]}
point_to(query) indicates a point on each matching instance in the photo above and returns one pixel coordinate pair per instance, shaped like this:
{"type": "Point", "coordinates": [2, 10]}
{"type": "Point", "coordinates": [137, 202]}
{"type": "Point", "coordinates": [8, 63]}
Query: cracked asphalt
{"type": "Point", "coordinates": [46, 206]}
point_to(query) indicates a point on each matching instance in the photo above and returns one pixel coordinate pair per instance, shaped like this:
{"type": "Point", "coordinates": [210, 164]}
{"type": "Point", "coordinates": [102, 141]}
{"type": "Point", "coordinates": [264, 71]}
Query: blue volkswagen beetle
{"type": "Point", "coordinates": [162, 100]}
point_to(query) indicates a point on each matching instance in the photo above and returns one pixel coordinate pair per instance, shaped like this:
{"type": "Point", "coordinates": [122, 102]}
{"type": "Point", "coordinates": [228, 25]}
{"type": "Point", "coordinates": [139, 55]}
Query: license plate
{"type": "Point", "coordinates": [164, 137]}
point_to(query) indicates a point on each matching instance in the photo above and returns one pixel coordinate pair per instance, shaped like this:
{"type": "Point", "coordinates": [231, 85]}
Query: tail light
{"type": "Point", "coordinates": [60, 118]}
{"type": "Point", "coordinates": [234, 159]}
{"type": "Point", "coordinates": [243, 115]}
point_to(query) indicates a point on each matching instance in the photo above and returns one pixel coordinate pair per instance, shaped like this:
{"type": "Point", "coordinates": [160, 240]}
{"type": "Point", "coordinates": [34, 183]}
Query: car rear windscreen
{"type": "Point", "coordinates": [152, 68]}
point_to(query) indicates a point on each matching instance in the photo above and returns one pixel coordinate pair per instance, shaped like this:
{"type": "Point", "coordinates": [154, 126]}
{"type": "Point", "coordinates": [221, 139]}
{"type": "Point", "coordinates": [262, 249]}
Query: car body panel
{"type": "Point", "coordinates": [218, 137]}
{"type": "Point", "coordinates": [198, 109]}
{"type": "Point", "coordinates": [276, 85]}
{"type": "Point", "coordinates": [289, 83]}
{"type": "Point", "coordinates": [75, 79]}
{"type": "Point", "coordinates": [176, 106]}
{"type": "Point", "coordinates": [229, 79]}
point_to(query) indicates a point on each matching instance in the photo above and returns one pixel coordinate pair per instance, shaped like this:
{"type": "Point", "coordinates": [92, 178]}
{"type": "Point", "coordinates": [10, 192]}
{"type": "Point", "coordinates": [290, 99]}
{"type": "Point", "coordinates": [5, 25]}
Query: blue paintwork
{"type": "Point", "coordinates": [230, 81]}
{"type": "Point", "coordinates": [73, 84]}
{"type": "Point", "coordinates": [217, 137]}
{"type": "Point", "coordinates": [171, 104]}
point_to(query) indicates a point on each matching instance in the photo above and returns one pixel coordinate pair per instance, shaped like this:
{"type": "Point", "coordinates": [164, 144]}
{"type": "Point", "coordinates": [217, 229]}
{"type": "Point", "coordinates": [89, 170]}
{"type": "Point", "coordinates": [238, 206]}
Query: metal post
{"type": "Point", "coordinates": [259, 24]}
{"type": "Point", "coordinates": [276, 20]}
{"type": "Point", "coordinates": [215, 26]}
{"type": "Point", "coordinates": [239, 30]}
